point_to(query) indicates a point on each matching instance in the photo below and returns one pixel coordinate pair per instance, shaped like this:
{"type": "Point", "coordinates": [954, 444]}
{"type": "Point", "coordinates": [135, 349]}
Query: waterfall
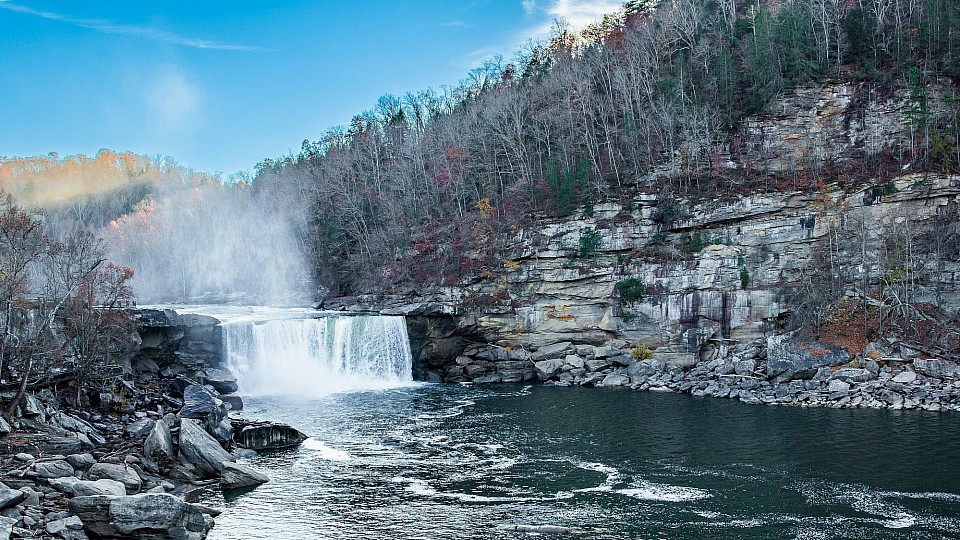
{"type": "Point", "coordinates": [317, 356]}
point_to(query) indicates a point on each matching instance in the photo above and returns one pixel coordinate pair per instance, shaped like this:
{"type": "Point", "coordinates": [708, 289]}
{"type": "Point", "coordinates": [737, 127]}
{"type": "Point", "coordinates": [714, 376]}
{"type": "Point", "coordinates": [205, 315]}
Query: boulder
{"type": "Point", "coordinates": [65, 528]}
{"type": "Point", "coordinates": [221, 380]}
{"type": "Point", "coordinates": [139, 428]}
{"type": "Point", "coordinates": [615, 379]}
{"type": "Point", "coordinates": [838, 385]}
{"type": "Point", "coordinates": [788, 360]}
{"type": "Point", "coordinates": [606, 352]}
{"type": "Point", "coordinates": [5, 428]}
{"type": "Point", "coordinates": [557, 350]}
{"type": "Point", "coordinates": [236, 476]}
{"type": "Point", "coordinates": [200, 449]}
{"type": "Point", "coordinates": [745, 367]}
{"type": "Point", "coordinates": [574, 360]}
{"type": "Point", "coordinates": [854, 375]}
{"type": "Point", "coordinates": [159, 445]}
{"type": "Point", "coordinates": [75, 487]}
{"type": "Point", "coordinates": [6, 526]}
{"type": "Point", "coordinates": [53, 469]}
{"type": "Point", "coordinates": [199, 403]}
{"type": "Point", "coordinates": [934, 367]}
{"type": "Point", "coordinates": [236, 403]}
{"type": "Point", "coordinates": [268, 436]}
{"type": "Point", "coordinates": [121, 473]}
{"type": "Point", "coordinates": [81, 462]}
{"type": "Point", "coordinates": [157, 516]}
{"type": "Point", "coordinates": [546, 369]}
{"type": "Point", "coordinates": [10, 497]}
{"type": "Point", "coordinates": [905, 377]}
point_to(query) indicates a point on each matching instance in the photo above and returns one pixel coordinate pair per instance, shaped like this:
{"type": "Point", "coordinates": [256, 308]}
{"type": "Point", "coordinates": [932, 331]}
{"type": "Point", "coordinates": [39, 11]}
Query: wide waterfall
{"type": "Point", "coordinates": [317, 356]}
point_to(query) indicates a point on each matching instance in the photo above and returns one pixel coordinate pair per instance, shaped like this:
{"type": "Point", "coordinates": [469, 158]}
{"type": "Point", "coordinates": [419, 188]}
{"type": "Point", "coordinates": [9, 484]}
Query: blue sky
{"type": "Point", "coordinates": [221, 85]}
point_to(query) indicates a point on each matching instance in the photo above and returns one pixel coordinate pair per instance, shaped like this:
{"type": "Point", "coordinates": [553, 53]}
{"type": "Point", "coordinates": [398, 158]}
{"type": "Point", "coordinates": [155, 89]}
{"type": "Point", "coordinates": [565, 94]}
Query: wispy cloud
{"type": "Point", "coordinates": [174, 102]}
{"type": "Point", "coordinates": [542, 14]}
{"type": "Point", "coordinates": [110, 27]}
{"type": "Point", "coordinates": [455, 24]}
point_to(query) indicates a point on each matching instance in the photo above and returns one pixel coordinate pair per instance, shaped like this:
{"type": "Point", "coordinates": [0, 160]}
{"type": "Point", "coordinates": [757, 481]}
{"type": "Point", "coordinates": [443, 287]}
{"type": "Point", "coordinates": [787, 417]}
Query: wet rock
{"type": "Point", "coordinates": [615, 379]}
{"type": "Point", "coordinates": [236, 476]}
{"type": "Point", "coordinates": [268, 436]}
{"type": "Point", "coordinates": [120, 473]}
{"type": "Point", "coordinates": [236, 403]}
{"type": "Point", "coordinates": [155, 516]}
{"type": "Point", "coordinates": [221, 380]}
{"type": "Point", "coordinates": [200, 449]}
{"type": "Point", "coordinates": [159, 444]}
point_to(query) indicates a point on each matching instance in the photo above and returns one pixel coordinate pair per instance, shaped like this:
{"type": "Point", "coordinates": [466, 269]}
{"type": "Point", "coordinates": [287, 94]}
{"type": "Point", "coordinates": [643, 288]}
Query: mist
{"type": "Point", "coordinates": [213, 244]}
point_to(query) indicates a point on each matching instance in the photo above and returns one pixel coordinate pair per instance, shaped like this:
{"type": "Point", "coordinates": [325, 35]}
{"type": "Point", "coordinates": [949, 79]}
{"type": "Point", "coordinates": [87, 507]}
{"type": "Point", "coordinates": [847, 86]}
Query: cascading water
{"type": "Point", "coordinates": [316, 356]}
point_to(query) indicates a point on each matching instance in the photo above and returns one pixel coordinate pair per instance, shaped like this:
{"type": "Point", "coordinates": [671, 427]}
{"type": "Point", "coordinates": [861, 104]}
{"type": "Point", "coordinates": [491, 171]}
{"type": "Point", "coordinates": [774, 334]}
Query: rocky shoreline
{"type": "Point", "coordinates": [772, 371]}
{"type": "Point", "coordinates": [132, 460]}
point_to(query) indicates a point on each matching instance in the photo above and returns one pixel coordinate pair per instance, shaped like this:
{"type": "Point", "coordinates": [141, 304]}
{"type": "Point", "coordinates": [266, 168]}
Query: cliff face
{"type": "Point", "coordinates": [698, 276]}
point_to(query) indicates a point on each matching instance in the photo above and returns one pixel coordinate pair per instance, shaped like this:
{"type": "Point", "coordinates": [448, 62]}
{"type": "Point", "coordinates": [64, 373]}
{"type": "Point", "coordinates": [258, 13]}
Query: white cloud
{"type": "Point", "coordinates": [109, 27]}
{"type": "Point", "coordinates": [529, 6]}
{"type": "Point", "coordinates": [580, 13]}
{"type": "Point", "coordinates": [174, 102]}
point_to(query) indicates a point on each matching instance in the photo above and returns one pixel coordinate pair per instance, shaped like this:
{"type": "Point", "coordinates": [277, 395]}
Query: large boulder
{"type": "Point", "coordinates": [221, 380]}
{"type": "Point", "coordinates": [236, 476]}
{"type": "Point", "coordinates": [788, 359]}
{"type": "Point", "coordinates": [75, 487]}
{"type": "Point", "coordinates": [268, 436]}
{"type": "Point", "coordinates": [10, 497]}
{"type": "Point", "coordinates": [200, 449]}
{"type": "Point", "coordinates": [154, 516]}
{"type": "Point", "coordinates": [120, 473]}
{"type": "Point", "coordinates": [159, 445]}
{"type": "Point", "coordinates": [934, 367]}
{"type": "Point", "coordinates": [556, 350]}
{"type": "Point", "coordinates": [547, 369]}
{"type": "Point", "coordinates": [53, 469]}
{"type": "Point", "coordinates": [138, 428]}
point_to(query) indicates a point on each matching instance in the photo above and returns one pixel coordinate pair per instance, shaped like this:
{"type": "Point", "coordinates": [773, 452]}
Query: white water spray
{"type": "Point", "coordinates": [317, 356]}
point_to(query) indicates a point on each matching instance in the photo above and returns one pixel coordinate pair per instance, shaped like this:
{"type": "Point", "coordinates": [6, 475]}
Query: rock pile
{"type": "Point", "coordinates": [773, 371]}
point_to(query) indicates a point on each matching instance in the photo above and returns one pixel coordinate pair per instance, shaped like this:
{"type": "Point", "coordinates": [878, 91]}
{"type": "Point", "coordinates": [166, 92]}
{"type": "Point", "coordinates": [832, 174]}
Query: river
{"type": "Point", "coordinates": [456, 461]}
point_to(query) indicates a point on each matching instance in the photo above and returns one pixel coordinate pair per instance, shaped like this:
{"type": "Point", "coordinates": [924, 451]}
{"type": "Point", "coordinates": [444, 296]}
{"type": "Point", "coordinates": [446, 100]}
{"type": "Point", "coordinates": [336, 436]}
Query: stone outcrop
{"type": "Point", "coordinates": [150, 516]}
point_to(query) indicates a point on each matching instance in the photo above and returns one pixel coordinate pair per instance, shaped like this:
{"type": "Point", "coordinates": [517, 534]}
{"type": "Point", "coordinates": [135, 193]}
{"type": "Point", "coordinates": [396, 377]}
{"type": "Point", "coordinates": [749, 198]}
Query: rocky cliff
{"type": "Point", "coordinates": [701, 279]}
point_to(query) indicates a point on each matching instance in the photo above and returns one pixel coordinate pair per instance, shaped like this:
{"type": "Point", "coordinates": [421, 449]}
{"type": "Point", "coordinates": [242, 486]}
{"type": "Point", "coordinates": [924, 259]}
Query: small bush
{"type": "Point", "coordinates": [628, 317]}
{"type": "Point", "coordinates": [641, 351]}
{"type": "Point", "coordinates": [744, 277]}
{"type": "Point", "coordinates": [590, 242]}
{"type": "Point", "coordinates": [632, 289]}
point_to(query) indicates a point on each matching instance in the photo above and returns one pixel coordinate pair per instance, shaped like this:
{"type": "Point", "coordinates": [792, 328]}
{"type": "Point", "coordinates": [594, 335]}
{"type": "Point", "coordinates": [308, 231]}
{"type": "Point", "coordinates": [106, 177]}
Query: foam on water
{"type": "Point", "coordinates": [325, 452]}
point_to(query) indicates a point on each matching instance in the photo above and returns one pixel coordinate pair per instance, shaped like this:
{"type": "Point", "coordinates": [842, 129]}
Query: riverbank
{"type": "Point", "coordinates": [773, 371]}
{"type": "Point", "coordinates": [132, 455]}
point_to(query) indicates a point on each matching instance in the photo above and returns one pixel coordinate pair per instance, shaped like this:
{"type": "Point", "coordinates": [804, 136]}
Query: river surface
{"type": "Point", "coordinates": [456, 461]}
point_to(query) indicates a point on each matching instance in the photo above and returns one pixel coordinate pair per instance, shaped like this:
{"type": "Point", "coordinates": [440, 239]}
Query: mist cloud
{"type": "Point", "coordinates": [174, 102]}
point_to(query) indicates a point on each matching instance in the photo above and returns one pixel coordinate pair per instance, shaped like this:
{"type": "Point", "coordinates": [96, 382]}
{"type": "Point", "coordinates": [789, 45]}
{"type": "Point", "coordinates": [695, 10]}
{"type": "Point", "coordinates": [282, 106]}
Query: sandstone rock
{"type": "Point", "coordinates": [574, 361]}
{"type": "Point", "coordinates": [154, 516]}
{"type": "Point", "coordinates": [745, 367]}
{"type": "Point", "coordinates": [61, 527]}
{"type": "Point", "coordinates": [837, 385]}
{"type": "Point", "coordinates": [221, 380]}
{"type": "Point", "coordinates": [934, 367]}
{"type": "Point", "coordinates": [5, 428]}
{"type": "Point", "coordinates": [199, 403]}
{"type": "Point", "coordinates": [81, 462]}
{"type": "Point", "coordinates": [158, 445]}
{"type": "Point", "coordinates": [6, 526]}
{"type": "Point", "coordinates": [547, 369]}
{"type": "Point", "coordinates": [854, 375]}
{"type": "Point", "coordinates": [139, 428]}
{"type": "Point", "coordinates": [615, 379]}
{"type": "Point", "coordinates": [10, 497]}
{"type": "Point", "coordinates": [622, 360]}
{"type": "Point", "coordinates": [120, 473]}
{"type": "Point", "coordinates": [605, 352]}
{"type": "Point", "coordinates": [236, 476]}
{"type": "Point", "coordinates": [236, 402]}
{"type": "Point", "coordinates": [905, 377]}
{"type": "Point", "coordinates": [53, 469]}
{"type": "Point", "coordinates": [788, 360]}
{"type": "Point", "coordinates": [597, 365]}
{"type": "Point", "coordinates": [555, 350]}
{"type": "Point", "coordinates": [200, 449]}
{"type": "Point", "coordinates": [75, 487]}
